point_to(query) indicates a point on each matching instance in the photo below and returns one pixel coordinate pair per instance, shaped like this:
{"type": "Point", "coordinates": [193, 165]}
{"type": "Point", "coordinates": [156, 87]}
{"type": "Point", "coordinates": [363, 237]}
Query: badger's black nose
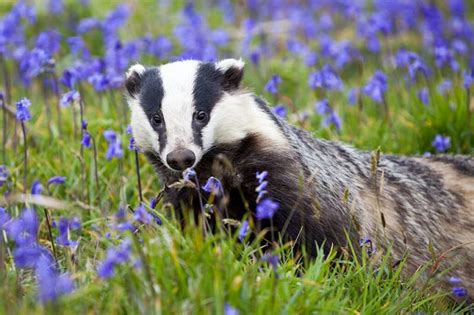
{"type": "Point", "coordinates": [180, 159]}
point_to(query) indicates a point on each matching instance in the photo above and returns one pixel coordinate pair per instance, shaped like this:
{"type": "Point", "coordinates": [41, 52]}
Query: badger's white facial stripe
{"type": "Point", "coordinates": [145, 136]}
{"type": "Point", "coordinates": [177, 105]}
{"type": "Point", "coordinates": [237, 116]}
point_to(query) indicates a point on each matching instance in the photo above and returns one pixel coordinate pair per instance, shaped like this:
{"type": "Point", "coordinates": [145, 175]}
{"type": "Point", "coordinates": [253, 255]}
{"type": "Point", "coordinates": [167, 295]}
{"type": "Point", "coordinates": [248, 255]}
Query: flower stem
{"type": "Point", "coordinates": [96, 171]}
{"type": "Point", "coordinates": [48, 109]}
{"type": "Point", "coordinates": [56, 93]}
{"type": "Point", "coordinates": [25, 157]}
{"type": "Point", "coordinates": [6, 79]}
{"type": "Point", "coordinates": [4, 131]}
{"type": "Point", "coordinates": [50, 234]}
{"type": "Point", "coordinates": [137, 165]}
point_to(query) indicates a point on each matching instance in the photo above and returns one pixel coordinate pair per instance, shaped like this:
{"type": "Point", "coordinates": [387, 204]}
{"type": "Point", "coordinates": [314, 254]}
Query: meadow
{"type": "Point", "coordinates": [81, 228]}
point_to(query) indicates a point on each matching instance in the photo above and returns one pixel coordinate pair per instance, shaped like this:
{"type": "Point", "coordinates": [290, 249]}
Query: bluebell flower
{"type": "Point", "coordinates": [27, 255]}
{"type": "Point", "coordinates": [243, 230]}
{"type": "Point", "coordinates": [327, 78]}
{"type": "Point", "coordinates": [213, 185]}
{"type": "Point", "coordinates": [323, 107]}
{"type": "Point", "coordinates": [51, 284]}
{"type": "Point", "coordinates": [22, 111]}
{"type": "Point", "coordinates": [36, 188]}
{"type": "Point", "coordinates": [377, 86]}
{"type": "Point", "coordinates": [33, 63]}
{"type": "Point", "coordinates": [230, 310]}
{"type": "Point", "coordinates": [266, 209]}
{"type": "Point", "coordinates": [468, 79]}
{"type": "Point", "coordinates": [56, 6]}
{"type": "Point", "coordinates": [88, 24]}
{"type": "Point", "coordinates": [153, 203]}
{"type": "Point", "coordinates": [77, 46]}
{"type": "Point", "coordinates": [69, 78]}
{"type": "Point", "coordinates": [441, 143]}
{"type": "Point", "coordinates": [444, 56]}
{"type": "Point", "coordinates": [273, 84]}
{"type": "Point", "coordinates": [459, 292]}
{"type": "Point", "coordinates": [445, 86]}
{"type": "Point", "coordinates": [99, 81]}
{"type": "Point", "coordinates": [423, 96]}
{"type": "Point", "coordinates": [333, 119]}
{"type": "Point", "coordinates": [3, 175]}
{"type": "Point", "coordinates": [455, 280]}
{"type": "Point", "coordinates": [369, 246]}
{"type": "Point", "coordinates": [49, 41]}
{"type": "Point", "coordinates": [142, 215]}
{"type": "Point", "coordinates": [64, 238]}
{"type": "Point", "coordinates": [116, 18]}
{"type": "Point", "coordinates": [4, 218]}
{"type": "Point", "coordinates": [69, 98]}
{"type": "Point", "coordinates": [56, 180]}
{"type": "Point", "coordinates": [86, 140]}
{"type": "Point", "coordinates": [114, 145]}
{"type": "Point", "coordinates": [352, 96]}
{"type": "Point", "coordinates": [261, 176]}
{"type": "Point", "coordinates": [74, 223]}
{"type": "Point", "coordinates": [24, 229]}
{"type": "Point", "coordinates": [272, 260]}
{"type": "Point", "coordinates": [189, 174]}
{"type": "Point", "coordinates": [280, 111]}
{"type": "Point", "coordinates": [255, 57]}
{"type": "Point", "coordinates": [115, 256]}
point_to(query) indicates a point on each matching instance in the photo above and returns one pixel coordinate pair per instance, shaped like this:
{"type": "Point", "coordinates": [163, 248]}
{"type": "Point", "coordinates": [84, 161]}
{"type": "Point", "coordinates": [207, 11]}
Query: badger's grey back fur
{"type": "Point", "coordinates": [327, 189]}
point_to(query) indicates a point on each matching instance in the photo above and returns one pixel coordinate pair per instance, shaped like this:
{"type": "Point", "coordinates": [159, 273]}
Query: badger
{"type": "Point", "coordinates": [193, 114]}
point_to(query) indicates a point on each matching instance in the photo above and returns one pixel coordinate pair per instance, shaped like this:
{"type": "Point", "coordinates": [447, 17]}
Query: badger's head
{"type": "Point", "coordinates": [181, 110]}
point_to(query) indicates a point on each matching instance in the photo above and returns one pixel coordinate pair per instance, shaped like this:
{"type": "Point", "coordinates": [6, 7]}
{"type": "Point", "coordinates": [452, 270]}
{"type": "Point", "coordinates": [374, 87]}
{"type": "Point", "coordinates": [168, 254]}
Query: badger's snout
{"type": "Point", "coordinates": [180, 159]}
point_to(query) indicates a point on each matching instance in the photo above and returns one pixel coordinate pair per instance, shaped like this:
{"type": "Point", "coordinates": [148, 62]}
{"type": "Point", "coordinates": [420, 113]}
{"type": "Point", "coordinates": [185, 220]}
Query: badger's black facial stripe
{"type": "Point", "coordinates": [207, 92]}
{"type": "Point", "coordinates": [151, 95]}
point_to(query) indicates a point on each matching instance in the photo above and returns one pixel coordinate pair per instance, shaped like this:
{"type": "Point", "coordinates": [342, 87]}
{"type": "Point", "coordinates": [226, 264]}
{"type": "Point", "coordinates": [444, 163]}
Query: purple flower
{"type": "Point", "coordinates": [423, 96]}
{"type": "Point", "coordinates": [213, 185]}
{"type": "Point", "coordinates": [86, 140]}
{"type": "Point", "coordinates": [3, 175]}
{"type": "Point", "coordinates": [153, 203]}
{"type": "Point", "coordinates": [273, 83]}
{"type": "Point", "coordinates": [367, 243]}
{"type": "Point", "coordinates": [261, 176]}
{"type": "Point", "coordinates": [376, 87]}
{"type": "Point", "coordinates": [142, 215]}
{"type": "Point", "coordinates": [36, 188]}
{"type": "Point", "coordinates": [69, 79]}
{"type": "Point", "coordinates": [266, 209]}
{"type": "Point", "coordinates": [352, 96]}
{"type": "Point", "coordinates": [49, 41]}
{"type": "Point", "coordinates": [445, 86]}
{"type": "Point", "coordinates": [243, 230]}
{"type": "Point", "coordinates": [22, 111]}
{"type": "Point", "coordinates": [280, 111]}
{"type": "Point", "coordinates": [323, 107]}
{"type": "Point", "coordinates": [114, 148]}
{"type": "Point", "coordinates": [333, 119]}
{"type": "Point", "coordinates": [115, 256]}
{"type": "Point", "coordinates": [4, 218]}
{"type": "Point", "coordinates": [87, 24]}
{"type": "Point", "coordinates": [229, 310]}
{"type": "Point", "coordinates": [273, 260]}
{"type": "Point", "coordinates": [468, 79]}
{"type": "Point", "coordinates": [455, 280]}
{"type": "Point", "coordinates": [327, 78]}
{"type": "Point", "coordinates": [56, 6]}
{"type": "Point", "coordinates": [444, 56]}
{"type": "Point", "coordinates": [63, 238]}
{"type": "Point", "coordinates": [77, 46]}
{"type": "Point", "coordinates": [69, 98]}
{"type": "Point", "coordinates": [189, 174]}
{"type": "Point", "coordinates": [441, 144]}
{"type": "Point", "coordinates": [459, 292]}
{"type": "Point", "coordinates": [24, 229]}
{"type": "Point", "coordinates": [56, 180]}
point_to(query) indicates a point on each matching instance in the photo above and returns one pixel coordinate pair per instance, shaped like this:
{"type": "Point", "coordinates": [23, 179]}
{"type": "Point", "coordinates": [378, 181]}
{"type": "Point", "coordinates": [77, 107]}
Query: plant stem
{"type": "Point", "coordinates": [56, 93]}
{"type": "Point", "coordinates": [4, 131]}
{"type": "Point", "coordinates": [25, 157]}
{"type": "Point", "coordinates": [48, 109]}
{"type": "Point", "coordinates": [50, 232]}
{"type": "Point", "coordinates": [137, 165]}
{"type": "Point", "coordinates": [6, 79]}
{"type": "Point", "coordinates": [96, 171]}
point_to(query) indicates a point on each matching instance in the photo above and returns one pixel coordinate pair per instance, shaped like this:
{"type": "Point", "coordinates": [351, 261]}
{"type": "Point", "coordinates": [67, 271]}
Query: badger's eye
{"type": "Point", "coordinates": [156, 120]}
{"type": "Point", "coordinates": [200, 116]}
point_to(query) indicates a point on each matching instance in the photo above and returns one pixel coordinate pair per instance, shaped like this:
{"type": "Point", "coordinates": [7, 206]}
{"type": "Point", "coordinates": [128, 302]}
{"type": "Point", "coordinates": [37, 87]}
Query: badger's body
{"type": "Point", "coordinates": [326, 190]}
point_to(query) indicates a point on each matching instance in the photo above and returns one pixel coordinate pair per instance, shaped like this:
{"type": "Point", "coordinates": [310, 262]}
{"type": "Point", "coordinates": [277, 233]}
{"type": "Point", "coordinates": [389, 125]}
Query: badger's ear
{"type": "Point", "coordinates": [233, 71]}
{"type": "Point", "coordinates": [134, 78]}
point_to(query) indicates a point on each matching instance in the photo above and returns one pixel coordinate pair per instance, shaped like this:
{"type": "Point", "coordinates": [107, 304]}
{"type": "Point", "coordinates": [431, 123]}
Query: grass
{"type": "Point", "coordinates": [184, 271]}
